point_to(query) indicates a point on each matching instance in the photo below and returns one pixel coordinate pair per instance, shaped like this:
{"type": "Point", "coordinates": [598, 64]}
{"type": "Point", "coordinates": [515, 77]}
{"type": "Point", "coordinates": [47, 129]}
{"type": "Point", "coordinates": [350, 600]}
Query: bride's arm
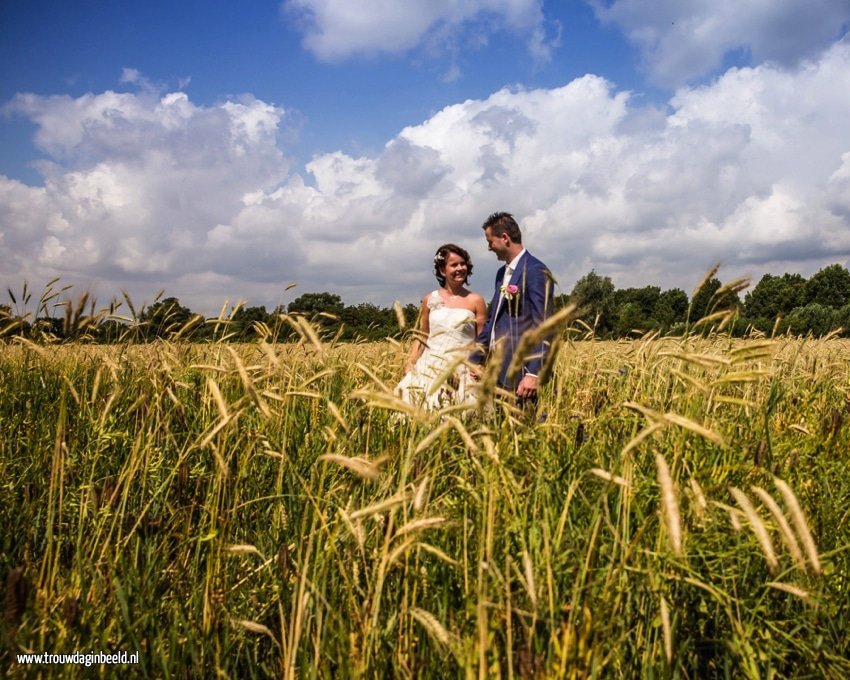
{"type": "Point", "coordinates": [480, 308]}
{"type": "Point", "coordinates": [420, 335]}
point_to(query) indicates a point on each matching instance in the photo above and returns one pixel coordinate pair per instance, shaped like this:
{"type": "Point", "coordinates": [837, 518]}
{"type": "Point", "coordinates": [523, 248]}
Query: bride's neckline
{"type": "Point", "coordinates": [444, 301]}
{"type": "Point", "coordinates": [449, 296]}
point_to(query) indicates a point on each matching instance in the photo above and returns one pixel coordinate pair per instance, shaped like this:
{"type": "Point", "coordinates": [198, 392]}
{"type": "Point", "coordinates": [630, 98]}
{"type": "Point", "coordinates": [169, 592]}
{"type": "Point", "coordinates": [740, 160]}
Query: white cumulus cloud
{"type": "Point", "coordinates": [135, 184]}
{"type": "Point", "coordinates": [337, 29]}
{"type": "Point", "coordinates": [684, 40]}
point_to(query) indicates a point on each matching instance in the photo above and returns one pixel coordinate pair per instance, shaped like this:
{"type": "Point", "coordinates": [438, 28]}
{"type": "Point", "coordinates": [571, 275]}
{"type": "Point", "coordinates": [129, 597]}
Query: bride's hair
{"type": "Point", "coordinates": [442, 255]}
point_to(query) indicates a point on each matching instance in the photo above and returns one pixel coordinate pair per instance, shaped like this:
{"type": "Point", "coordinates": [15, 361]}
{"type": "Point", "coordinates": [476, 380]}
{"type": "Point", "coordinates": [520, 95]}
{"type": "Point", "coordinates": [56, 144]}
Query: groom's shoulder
{"type": "Point", "coordinates": [533, 261]}
{"type": "Point", "coordinates": [538, 268]}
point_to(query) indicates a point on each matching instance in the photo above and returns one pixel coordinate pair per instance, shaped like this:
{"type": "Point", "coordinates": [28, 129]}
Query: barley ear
{"type": "Point", "coordinates": [668, 634]}
{"type": "Point", "coordinates": [669, 505]}
{"type": "Point", "coordinates": [757, 526]}
{"type": "Point", "coordinates": [784, 527]}
{"type": "Point", "coordinates": [800, 524]}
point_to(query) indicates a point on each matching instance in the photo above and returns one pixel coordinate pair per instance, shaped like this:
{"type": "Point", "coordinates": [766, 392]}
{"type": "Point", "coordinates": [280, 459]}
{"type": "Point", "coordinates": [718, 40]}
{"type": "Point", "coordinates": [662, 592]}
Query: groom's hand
{"type": "Point", "coordinates": [527, 388]}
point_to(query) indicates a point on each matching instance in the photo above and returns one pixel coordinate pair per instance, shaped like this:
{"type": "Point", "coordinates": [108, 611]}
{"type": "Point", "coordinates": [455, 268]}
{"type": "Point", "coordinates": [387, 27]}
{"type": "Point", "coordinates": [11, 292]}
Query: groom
{"type": "Point", "coordinates": [522, 301]}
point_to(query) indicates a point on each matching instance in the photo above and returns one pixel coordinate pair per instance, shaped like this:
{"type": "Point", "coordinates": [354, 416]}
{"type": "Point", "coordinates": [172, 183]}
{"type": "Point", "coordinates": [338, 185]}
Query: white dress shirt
{"type": "Point", "coordinates": [510, 268]}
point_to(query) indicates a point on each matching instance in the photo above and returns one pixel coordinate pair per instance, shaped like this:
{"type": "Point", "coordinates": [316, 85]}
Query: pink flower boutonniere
{"type": "Point", "coordinates": [510, 291]}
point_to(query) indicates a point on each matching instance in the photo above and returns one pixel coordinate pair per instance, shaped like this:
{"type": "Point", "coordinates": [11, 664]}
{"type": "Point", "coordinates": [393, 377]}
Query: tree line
{"type": "Point", "coordinates": [782, 304]}
{"type": "Point", "coordinates": [789, 303]}
{"type": "Point", "coordinates": [168, 318]}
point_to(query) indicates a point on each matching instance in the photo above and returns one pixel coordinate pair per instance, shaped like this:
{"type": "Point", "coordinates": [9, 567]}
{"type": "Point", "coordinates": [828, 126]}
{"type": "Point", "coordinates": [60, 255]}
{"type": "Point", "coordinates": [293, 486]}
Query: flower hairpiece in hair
{"type": "Point", "coordinates": [439, 258]}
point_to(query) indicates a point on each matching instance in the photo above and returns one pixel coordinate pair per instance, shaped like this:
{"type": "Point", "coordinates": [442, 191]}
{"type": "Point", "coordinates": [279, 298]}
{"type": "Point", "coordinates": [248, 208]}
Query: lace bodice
{"type": "Point", "coordinates": [450, 339]}
{"type": "Point", "coordinates": [451, 328]}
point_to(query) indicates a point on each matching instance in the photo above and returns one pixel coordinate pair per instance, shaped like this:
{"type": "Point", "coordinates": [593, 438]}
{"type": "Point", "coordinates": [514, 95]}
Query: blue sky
{"type": "Point", "coordinates": [221, 151]}
{"type": "Point", "coordinates": [218, 50]}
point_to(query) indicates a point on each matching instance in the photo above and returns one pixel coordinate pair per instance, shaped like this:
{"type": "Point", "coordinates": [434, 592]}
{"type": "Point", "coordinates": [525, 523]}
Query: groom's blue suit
{"type": "Point", "coordinates": [508, 321]}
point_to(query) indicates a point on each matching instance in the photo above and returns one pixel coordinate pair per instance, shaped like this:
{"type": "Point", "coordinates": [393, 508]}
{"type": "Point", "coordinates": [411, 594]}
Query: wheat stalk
{"type": "Point", "coordinates": [364, 468]}
{"type": "Point", "coordinates": [757, 526]}
{"type": "Point", "coordinates": [800, 523]}
{"type": "Point", "coordinates": [668, 634]}
{"type": "Point", "coordinates": [669, 504]}
{"type": "Point", "coordinates": [433, 627]}
{"type": "Point", "coordinates": [784, 527]}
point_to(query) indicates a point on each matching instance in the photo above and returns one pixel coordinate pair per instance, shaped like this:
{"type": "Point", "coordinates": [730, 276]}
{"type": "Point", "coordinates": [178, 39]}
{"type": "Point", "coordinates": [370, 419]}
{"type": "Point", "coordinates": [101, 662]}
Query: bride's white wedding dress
{"type": "Point", "coordinates": [450, 340]}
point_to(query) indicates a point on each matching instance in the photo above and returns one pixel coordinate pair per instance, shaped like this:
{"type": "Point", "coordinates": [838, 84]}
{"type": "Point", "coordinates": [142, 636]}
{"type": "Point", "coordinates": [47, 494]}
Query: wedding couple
{"type": "Point", "coordinates": [461, 336]}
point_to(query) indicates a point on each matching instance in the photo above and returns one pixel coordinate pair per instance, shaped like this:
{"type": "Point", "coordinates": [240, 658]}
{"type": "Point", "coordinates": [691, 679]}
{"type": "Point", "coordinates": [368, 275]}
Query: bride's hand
{"type": "Point", "coordinates": [527, 388]}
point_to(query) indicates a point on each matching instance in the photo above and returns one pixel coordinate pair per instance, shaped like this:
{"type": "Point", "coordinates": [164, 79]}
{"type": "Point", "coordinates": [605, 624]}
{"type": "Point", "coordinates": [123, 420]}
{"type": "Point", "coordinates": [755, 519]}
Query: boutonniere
{"type": "Point", "coordinates": [509, 291]}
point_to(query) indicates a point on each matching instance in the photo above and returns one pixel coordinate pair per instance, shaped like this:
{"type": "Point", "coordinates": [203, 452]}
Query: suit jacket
{"type": "Point", "coordinates": [507, 322]}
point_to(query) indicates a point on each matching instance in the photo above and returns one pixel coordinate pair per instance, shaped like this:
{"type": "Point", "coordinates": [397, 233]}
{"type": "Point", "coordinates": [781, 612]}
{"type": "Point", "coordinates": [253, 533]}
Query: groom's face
{"type": "Point", "coordinates": [498, 244]}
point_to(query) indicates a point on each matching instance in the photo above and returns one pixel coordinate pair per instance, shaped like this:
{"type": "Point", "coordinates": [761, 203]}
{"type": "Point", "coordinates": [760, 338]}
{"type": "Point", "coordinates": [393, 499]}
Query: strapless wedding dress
{"type": "Point", "coordinates": [440, 377]}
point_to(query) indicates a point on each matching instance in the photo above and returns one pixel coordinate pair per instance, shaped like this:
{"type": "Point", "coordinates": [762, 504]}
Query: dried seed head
{"type": "Point", "coordinates": [359, 466]}
{"type": "Point", "coordinates": [757, 526]}
{"type": "Point", "coordinates": [609, 477]}
{"type": "Point", "coordinates": [434, 628]}
{"type": "Point", "coordinates": [700, 503]}
{"type": "Point", "coordinates": [784, 528]}
{"type": "Point", "coordinates": [800, 523]}
{"type": "Point", "coordinates": [669, 504]}
{"type": "Point", "coordinates": [734, 520]}
{"type": "Point", "coordinates": [419, 497]}
{"type": "Point", "coordinates": [792, 589]}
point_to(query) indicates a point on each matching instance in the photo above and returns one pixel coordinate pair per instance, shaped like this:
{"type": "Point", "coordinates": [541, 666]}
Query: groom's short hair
{"type": "Point", "coordinates": [503, 223]}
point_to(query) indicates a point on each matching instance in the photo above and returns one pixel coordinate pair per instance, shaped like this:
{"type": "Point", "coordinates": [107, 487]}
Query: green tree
{"type": "Point", "coordinates": [633, 309]}
{"type": "Point", "coordinates": [829, 287]}
{"type": "Point", "coordinates": [311, 304]}
{"type": "Point", "coordinates": [593, 295]}
{"type": "Point", "coordinates": [775, 296]}
{"type": "Point", "coordinates": [644, 298]}
{"type": "Point", "coordinates": [630, 320]}
{"type": "Point", "coordinates": [110, 330]}
{"type": "Point", "coordinates": [322, 309]}
{"type": "Point", "coordinates": [813, 318]}
{"type": "Point", "coordinates": [841, 319]}
{"type": "Point", "coordinates": [50, 326]}
{"type": "Point", "coordinates": [671, 308]}
{"type": "Point", "coordinates": [165, 317]}
{"type": "Point", "coordinates": [411, 315]}
{"type": "Point", "coordinates": [703, 302]}
{"type": "Point", "coordinates": [245, 321]}
{"type": "Point", "coordinates": [364, 321]}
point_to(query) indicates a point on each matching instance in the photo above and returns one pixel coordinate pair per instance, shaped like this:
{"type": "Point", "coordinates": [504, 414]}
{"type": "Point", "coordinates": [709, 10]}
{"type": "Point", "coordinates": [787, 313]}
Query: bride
{"type": "Point", "coordinates": [451, 318]}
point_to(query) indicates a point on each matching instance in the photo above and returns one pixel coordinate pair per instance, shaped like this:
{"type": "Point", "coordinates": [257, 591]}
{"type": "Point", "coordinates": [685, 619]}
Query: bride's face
{"type": "Point", "coordinates": [455, 270]}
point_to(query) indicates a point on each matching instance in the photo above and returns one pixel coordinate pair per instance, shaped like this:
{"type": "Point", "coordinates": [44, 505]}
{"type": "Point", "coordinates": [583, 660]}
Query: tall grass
{"type": "Point", "coordinates": [677, 507]}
